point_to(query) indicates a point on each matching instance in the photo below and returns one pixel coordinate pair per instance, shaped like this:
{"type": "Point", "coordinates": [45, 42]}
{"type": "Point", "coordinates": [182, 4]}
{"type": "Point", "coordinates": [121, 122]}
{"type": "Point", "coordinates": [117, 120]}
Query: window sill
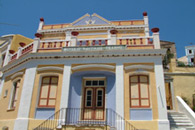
{"type": "Point", "coordinates": [141, 108]}
{"type": "Point", "coordinates": [11, 109]}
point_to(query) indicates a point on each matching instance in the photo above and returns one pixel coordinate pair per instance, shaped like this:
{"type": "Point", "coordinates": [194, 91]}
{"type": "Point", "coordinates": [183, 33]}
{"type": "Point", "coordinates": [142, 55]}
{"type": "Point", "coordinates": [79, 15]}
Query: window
{"type": "Point", "coordinates": [190, 51]}
{"type": "Point", "coordinates": [139, 91]}
{"type": "Point", "coordinates": [15, 94]}
{"type": "Point", "coordinates": [48, 91]}
{"type": "Point", "coordinates": [192, 59]}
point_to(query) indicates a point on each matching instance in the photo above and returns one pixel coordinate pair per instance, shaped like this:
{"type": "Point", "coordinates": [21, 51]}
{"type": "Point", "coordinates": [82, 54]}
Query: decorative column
{"type": "Point", "coordinates": [146, 23]}
{"type": "Point", "coordinates": [68, 38]}
{"type": "Point", "coordinates": [7, 55]}
{"type": "Point", "coordinates": [74, 38]}
{"type": "Point", "coordinates": [120, 89]}
{"type": "Point", "coordinates": [161, 97]}
{"type": "Point", "coordinates": [1, 85]}
{"type": "Point", "coordinates": [36, 42]}
{"type": "Point", "coordinates": [156, 38]}
{"type": "Point", "coordinates": [112, 37]}
{"type": "Point", "coordinates": [21, 122]}
{"type": "Point", "coordinates": [41, 23]}
{"type": "Point", "coordinates": [65, 91]}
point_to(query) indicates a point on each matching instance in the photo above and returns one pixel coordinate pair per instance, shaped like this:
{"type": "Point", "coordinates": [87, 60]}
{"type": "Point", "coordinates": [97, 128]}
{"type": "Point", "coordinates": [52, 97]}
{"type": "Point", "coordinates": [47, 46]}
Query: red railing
{"type": "Point", "coordinates": [135, 41]}
{"type": "Point", "coordinates": [13, 57]}
{"type": "Point", "coordinates": [53, 45]}
{"type": "Point", "coordinates": [27, 49]}
{"type": "Point", "coordinates": [100, 42]}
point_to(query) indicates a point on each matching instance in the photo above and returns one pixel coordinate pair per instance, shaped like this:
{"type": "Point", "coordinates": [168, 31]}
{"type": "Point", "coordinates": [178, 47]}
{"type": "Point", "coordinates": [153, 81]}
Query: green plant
{"type": "Point", "coordinates": [194, 108]}
{"type": "Point", "coordinates": [180, 64]}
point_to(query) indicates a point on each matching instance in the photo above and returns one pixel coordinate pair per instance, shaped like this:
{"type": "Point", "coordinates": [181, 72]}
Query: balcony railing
{"type": "Point", "coordinates": [83, 44]}
{"type": "Point", "coordinates": [79, 117]}
{"type": "Point", "coordinates": [27, 49]}
{"type": "Point", "coordinates": [135, 41]}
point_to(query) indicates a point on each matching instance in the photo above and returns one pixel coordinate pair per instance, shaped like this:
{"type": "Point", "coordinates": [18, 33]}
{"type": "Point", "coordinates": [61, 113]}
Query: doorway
{"type": "Point", "coordinates": [93, 99]}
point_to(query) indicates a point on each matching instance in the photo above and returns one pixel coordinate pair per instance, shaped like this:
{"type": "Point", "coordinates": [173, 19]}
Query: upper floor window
{"type": "Point", "coordinates": [190, 51]}
{"type": "Point", "coordinates": [48, 91]}
{"type": "Point", "coordinates": [14, 96]}
{"type": "Point", "coordinates": [139, 91]}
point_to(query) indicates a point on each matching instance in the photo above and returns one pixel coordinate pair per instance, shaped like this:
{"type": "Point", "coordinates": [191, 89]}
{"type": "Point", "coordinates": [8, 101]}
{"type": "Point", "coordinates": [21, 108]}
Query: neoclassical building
{"type": "Point", "coordinates": [91, 74]}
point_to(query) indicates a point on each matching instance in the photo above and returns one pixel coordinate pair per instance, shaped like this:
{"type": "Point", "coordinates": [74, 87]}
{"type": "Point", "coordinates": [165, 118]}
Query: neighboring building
{"type": "Point", "coordinates": [190, 54]}
{"type": "Point", "coordinates": [88, 74]}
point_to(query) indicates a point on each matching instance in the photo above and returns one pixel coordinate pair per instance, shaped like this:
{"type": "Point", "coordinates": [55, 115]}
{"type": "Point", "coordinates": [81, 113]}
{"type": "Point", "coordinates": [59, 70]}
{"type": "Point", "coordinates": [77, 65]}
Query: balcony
{"type": "Point", "coordinates": [96, 44]}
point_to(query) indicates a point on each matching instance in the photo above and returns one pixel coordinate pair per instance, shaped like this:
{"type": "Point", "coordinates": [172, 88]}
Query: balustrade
{"type": "Point", "coordinates": [100, 42]}
{"type": "Point", "coordinates": [135, 41]}
{"type": "Point", "coordinates": [53, 45]}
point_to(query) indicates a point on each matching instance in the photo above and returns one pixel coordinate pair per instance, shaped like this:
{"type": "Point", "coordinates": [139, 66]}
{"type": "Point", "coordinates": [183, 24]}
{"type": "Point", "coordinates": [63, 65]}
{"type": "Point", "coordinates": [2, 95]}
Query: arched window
{"type": "Point", "coordinates": [139, 91]}
{"type": "Point", "coordinates": [14, 96]}
{"type": "Point", "coordinates": [48, 91]}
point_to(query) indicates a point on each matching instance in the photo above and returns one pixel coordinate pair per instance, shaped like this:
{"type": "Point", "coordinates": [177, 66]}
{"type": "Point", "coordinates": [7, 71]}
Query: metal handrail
{"type": "Point", "coordinates": [79, 117]}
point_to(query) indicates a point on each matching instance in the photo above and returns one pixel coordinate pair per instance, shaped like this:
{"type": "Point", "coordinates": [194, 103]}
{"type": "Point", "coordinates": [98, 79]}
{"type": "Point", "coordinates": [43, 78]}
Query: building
{"type": "Point", "coordinates": [88, 74]}
{"type": "Point", "coordinates": [190, 54]}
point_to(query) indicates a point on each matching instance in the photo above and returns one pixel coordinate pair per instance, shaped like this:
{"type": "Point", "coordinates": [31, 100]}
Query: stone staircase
{"type": "Point", "coordinates": [179, 121]}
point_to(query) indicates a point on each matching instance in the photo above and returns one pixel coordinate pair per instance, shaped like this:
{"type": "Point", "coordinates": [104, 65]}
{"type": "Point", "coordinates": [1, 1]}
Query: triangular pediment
{"type": "Point", "coordinates": [93, 19]}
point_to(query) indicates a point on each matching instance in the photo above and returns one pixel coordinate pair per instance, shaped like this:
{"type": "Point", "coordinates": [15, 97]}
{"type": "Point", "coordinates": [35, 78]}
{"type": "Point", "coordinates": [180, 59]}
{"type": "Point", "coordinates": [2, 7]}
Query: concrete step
{"type": "Point", "coordinates": [178, 118]}
{"type": "Point", "coordinates": [180, 121]}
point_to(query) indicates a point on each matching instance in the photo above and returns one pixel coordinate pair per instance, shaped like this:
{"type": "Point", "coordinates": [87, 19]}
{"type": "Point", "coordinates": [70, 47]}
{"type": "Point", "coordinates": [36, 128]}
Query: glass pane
{"type": "Point", "coordinates": [54, 80]}
{"type": "Point", "coordinates": [143, 79]}
{"type": "Point", "coordinates": [134, 90]}
{"type": "Point", "coordinates": [44, 91]}
{"type": "Point", "coordinates": [99, 92]}
{"type": "Point", "coordinates": [144, 90]}
{"type": "Point", "coordinates": [88, 83]}
{"type": "Point", "coordinates": [99, 104]}
{"type": "Point", "coordinates": [16, 93]}
{"type": "Point", "coordinates": [99, 97]}
{"type": "Point", "coordinates": [46, 80]}
{"type": "Point", "coordinates": [145, 102]}
{"type": "Point", "coordinates": [101, 82]}
{"type": "Point", "coordinates": [88, 103]}
{"type": "Point", "coordinates": [53, 89]}
{"type": "Point", "coordinates": [134, 79]}
{"type": "Point", "coordinates": [52, 102]}
{"type": "Point", "coordinates": [88, 97]}
{"type": "Point", "coordinates": [89, 92]}
{"type": "Point", "coordinates": [43, 102]}
{"type": "Point", "coordinates": [95, 83]}
{"type": "Point", "coordinates": [134, 102]}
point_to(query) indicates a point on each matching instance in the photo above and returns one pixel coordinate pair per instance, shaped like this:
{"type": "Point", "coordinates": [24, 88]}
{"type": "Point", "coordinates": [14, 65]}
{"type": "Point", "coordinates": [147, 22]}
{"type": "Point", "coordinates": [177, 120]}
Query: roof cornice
{"type": "Point", "coordinates": [102, 27]}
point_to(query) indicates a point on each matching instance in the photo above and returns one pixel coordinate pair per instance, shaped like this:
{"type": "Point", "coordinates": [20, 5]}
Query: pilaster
{"type": "Point", "coordinates": [22, 120]}
{"type": "Point", "coordinates": [120, 89]}
{"type": "Point", "coordinates": [161, 97]}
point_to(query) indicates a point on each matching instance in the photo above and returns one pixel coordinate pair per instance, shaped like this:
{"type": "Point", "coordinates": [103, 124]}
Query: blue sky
{"type": "Point", "coordinates": [175, 18]}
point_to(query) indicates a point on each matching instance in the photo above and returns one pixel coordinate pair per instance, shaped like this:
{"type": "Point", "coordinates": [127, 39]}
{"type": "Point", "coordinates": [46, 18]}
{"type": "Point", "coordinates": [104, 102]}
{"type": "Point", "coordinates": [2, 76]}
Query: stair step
{"type": "Point", "coordinates": [181, 124]}
{"type": "Point", "coordinates": [178, 118]}
{"type": "Point", "coordinates": [180, 121]}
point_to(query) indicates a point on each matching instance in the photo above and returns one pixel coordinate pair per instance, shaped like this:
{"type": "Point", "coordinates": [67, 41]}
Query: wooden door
{"type": "Point", "coordinates": [94, 103]}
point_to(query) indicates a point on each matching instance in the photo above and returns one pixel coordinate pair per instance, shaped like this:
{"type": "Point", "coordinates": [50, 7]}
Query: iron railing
{"type": "Point", "coordinates": [107, 118]}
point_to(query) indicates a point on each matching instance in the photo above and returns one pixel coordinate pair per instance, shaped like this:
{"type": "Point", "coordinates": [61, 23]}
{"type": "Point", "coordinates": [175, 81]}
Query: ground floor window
{"type": "Point", "coordinates": [14, 96]}
{"type": "Point", "coordinates": [139, 91]}
{"type": "Point", "coordinates": [48, 91]}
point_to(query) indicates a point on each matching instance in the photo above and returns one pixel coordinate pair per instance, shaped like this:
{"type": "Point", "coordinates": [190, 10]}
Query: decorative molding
{"type": "Point", "coordinates": [17, 74]}
{"type": "Point", "coordinates": [93, 66]}
{"type": "Point", "coordinates": [50, 68]}
{"type": "Point", "coordinates": [95, 27]}
{"type": "Point", "coordinates": [83, 54]}
{"type": "Point", "coordinates": [138, 67]}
